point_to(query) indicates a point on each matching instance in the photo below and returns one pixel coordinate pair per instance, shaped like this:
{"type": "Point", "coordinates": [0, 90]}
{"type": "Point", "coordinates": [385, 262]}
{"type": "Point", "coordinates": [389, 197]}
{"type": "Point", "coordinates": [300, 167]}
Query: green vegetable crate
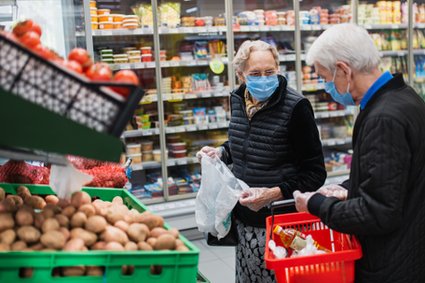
{"type": "Point", "coordinates": [170, 266]}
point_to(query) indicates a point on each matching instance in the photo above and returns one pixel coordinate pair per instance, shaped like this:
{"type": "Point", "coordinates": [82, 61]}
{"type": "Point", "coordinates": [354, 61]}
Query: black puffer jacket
{"type": "Point", "coordinates": [386, 200]}
{"type": "Point", "coordinates": [280, 146]}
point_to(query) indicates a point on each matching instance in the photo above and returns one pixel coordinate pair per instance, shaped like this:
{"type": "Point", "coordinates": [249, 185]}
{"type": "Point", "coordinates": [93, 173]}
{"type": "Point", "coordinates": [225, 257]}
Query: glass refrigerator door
{"type": "Point", "coordinates": [334, 121]}
{"type": "Point", "coordinates": [419, 47]}
{"type": "Point", "coordinates": [194, 86]}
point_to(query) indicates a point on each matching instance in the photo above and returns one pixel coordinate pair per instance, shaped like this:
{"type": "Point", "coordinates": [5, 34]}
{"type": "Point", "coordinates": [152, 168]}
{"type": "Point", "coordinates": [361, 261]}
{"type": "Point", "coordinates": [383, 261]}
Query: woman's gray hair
{"type": "Point", "coordinates": [245, 50]}
{"type": "Point", "coordinates": [345, 42]}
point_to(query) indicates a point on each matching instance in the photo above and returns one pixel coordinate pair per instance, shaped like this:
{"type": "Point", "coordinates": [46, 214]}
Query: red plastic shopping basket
{"type": "Point", "coordinates": [334, 267]}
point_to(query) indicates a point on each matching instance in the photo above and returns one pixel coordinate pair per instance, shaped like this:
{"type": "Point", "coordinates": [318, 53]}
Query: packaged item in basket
{"type": "Point", "coordinates": [294, 239]}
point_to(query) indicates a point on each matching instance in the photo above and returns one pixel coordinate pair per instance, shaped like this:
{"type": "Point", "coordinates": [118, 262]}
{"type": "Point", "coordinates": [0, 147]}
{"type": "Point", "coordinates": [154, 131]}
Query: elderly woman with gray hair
{"type": "Point", "coordinates": [273, 145]}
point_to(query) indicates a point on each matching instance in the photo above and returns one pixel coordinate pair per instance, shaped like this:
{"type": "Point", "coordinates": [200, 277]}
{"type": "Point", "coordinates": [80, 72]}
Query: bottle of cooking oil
{"type": "Point", "coordinates": [294, 239]}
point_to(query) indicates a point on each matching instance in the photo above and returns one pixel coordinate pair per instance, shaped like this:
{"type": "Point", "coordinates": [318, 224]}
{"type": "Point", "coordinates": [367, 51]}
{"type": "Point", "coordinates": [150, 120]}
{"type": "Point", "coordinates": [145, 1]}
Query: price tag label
{"type": "Point", "coordinates": [213, 126]}
{"type": "Point", "coordinates": [173, 63]}
{"type": "Point", "coordinates": [170, 130]}
{"type": "Point", "coordinates": [334, 114]}
{"type": "Point", "coordinates": [180, 129]}
{"type": "Point", "coordinates": [182, 161]}
{"type": "Point", "coordinates": [395, 26]}
{"type": "Point", "coordinates": [191, 128]}
{"type": "Point", "coordinates": [206, 94]}
{"type": "Point", "coordinates": [275, 28]}
{"type": "Point", "coordinates": [368, 26]}
{"type": "Point", "coordinates": [401, 53]}
{"type": "Point", "coordinates": [149, 65]}
{"type": "Point", "coordinates": [223, 124]}
{"type": "Point", "coordinates": [191, 96]}
{"type": "Point", "coordinates": [125, 66]}
{"type": "Point", "coordinates": [203, 127]}
{"type": "Point", "coordinates": [107, 32]}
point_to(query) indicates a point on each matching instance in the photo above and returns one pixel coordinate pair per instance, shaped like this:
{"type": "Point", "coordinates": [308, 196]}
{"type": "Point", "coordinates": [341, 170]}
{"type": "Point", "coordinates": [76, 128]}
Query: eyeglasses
{"type": "Point", "coordinates": [259, 74]}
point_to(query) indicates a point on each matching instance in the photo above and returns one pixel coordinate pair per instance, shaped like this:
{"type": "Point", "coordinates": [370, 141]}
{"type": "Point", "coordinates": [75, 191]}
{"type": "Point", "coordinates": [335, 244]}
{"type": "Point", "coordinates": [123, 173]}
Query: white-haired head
{"type": "Point", "coordinates": [248, 46]}
{"type": "Point", "coordinates": [348, 43]}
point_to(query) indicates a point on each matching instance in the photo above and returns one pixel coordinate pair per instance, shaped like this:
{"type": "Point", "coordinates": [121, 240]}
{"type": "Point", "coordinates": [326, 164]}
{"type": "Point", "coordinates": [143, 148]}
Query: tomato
{"type": "Point", "coordinates": [125, 76]}
{"type": "Point", "coordinates": [44, 52]}
{"type": "Point", "coordinates": [99, 72]}
{"type": "Point", "coordinates": [25, 26]}
{"type": "Point", "coordinates": [74, 66]}
{"type": "Point", "coordinates": [81, 56]}
{"type": "Point", "coordinates": [30, 39]}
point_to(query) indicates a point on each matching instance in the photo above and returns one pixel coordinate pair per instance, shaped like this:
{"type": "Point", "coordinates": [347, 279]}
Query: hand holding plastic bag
{"type": "Point", "coordinates": [219, 192]}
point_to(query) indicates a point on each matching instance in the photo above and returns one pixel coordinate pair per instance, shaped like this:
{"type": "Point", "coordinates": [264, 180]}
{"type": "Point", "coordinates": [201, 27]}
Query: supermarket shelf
{"type": "Point", "coordinates": [162, 30]}
{"type": "Point", "coordinates": [384, 26]}
{"type": "Point", "coordinates": [331, 114]}
{"type": "Point", "coordinates": [402, 52]}
{"type": "Point", "coordinates": [263, 28]}
{"type": "Point", "coordinates": [176, 97]}
{"type": "Point", "coordinates": [313, 87]}
{"type": "Point", "coordinates": [315, 27]}
{"type": "Point", "coordinates": [146, 165]}
{"type": "Point", "coordinates": [420, 26]}
{"type": "Point", "coordinates": [333, 142]}
{"type": "Point", "coordinates": [164, 64]}
{"type": "Point", "coordinates": [177, 129]}
{"type": "Point", "coordinates": [181, 161]}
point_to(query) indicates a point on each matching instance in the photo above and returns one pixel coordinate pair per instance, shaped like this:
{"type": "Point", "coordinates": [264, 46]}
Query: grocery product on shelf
{"type": "Point", "coordinates": [382, 12]}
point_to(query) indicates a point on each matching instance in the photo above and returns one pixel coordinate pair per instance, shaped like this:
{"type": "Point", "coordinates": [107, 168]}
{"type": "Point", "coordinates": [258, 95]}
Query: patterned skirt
{"type": "Point", "coordinates": [250, 264]}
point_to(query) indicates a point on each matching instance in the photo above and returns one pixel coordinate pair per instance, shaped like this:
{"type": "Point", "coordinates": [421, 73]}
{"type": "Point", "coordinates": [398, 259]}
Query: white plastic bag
{"type": "Point", "coordinates": [219, 192]}
{"type": "Point", "coordinates": [65, 180]}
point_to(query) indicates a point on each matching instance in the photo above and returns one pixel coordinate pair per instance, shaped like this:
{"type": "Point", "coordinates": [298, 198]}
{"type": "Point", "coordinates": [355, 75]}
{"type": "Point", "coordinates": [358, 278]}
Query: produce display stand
{"type": "Point", "coordinates": [334, 267]}
{"type": "Point", "coordinates": [176, 266]}
{"type": "Point", "coordinates": [44, 106]}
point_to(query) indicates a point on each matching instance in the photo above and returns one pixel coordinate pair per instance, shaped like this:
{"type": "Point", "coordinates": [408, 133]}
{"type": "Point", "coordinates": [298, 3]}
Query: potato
{"type": "Point", "coordinates": [165, 242]}
{"type": "Point", "coordinates": [152, 242]}
{"type": "Point", "coordinates": [53, 240]}
{"type": "Point", "coordinates": [80, 198]}
{"type": "Point", "coordinates": [131, 246]}
{"type": "Point", "coordinates": [35, 202]}
{"type": "Point", "coordinates": [24, 216]}
{"type": "Point", "coordinates": [23, 192]}
{"type": "Point", "coordinates": [158, 231]}
{"type": "Point", "coordinates": [99, 246]}
{"type": "Point", "coordinates": [65, 232]}
{"type": "Point", "coordinates": [62, 220]}
{"type": "Point", "coordinates": [151, 220]}
{"type": "Point", "coordinates": [28, 234]}
{"type": "Point", "coordinates": [79, 219]}
{"type": "Point", "coordinates": [75, 244]}
{"type": "Point", "coordinates": [50, 225]}
{"type": "Point", "coordinates": [62, 203]}
{"type": "Point", "coordinates": [114, 246]}
{"type": "Point", "coordinates": [88, 209]}
{"type": "Point", "coordinates": [113, 216]}
{"type": "Point", "coordinates": [8, 236]}
{"type": "Point", "coordinates": [4, 247]}
{"type": "Point", "coordinates": [96, 224]}
{"type": "Point", "coordinates": [138, 232]}
{"type": "Point", "coordinates": [18, 246]}
{"type": "Point", "coordinates": [6, 221]}
{"type": "Point", "coordinates": [50, 210]}
{"type": "Point", "coordinates": [114, 234]}
{"type": "Point", "coordinates": [68, 211]}
{"type": "Point", "coordinates": [89, 238]}
{"type": "Point", "coordinates": [73, 271]}
{"type": "Point", "coordinates": [179, 243]}
{"type": "Point", "coordinates": [175, 232]}
{"type": "Point", "coordinates": [38, 220]}
{"type": "Point", "coordinates": [143, 246]}
{"type": "Point", "coordinates": [9, 205]}
{"type": "Point", "coordinates": [16, 199]}
{"type": "Point", "coordinates": [36, 247]}
{"type": "Point", "coordinates": [122, 225]}
{"type": "Point", "coordinates": [51, 199]}
{"type": "Point", "coordinates": [84, 249]}
{"type": "Point", "coordinates": [2, 194]}
{"type": "Point", "coordinates": [182, 249]}
{"type": "Point", "coordinates": [117, 200]}
{"type": "Point", "coordinates": [94, 271]}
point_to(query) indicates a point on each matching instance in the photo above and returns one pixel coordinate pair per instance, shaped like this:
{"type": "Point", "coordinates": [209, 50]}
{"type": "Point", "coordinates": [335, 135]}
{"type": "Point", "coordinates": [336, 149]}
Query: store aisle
{"type": "Point", "coordinates": [216, 263]}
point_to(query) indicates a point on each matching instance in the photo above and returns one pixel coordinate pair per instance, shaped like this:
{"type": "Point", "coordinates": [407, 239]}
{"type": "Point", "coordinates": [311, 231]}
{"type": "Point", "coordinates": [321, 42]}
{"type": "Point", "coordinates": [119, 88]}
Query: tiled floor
{"type": "Point", "coordinates": [217, 264]}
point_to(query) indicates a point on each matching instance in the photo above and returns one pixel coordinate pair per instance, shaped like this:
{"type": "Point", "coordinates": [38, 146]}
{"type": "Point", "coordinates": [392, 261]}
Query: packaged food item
{"type": "Point", "coordinates": [103, 12]}
{"type": "Point", "coordinates": [147, 146]}
{"type": "Point", "coordinates": [117, 25]}
{"type": "Point", "coordinates": [130, 26]}
{"type": "Point", "coordinates": [177, 146]}
{"type": "Point", "coordinates": [93, 11]}
{"type": "Point", "coordinates": [94, 19]}
{"type": "Point", "coordinates": [147, 58]}
{"type": "Point", "coordinates": [147, 156]}
{"type": "Point", "coordinates": [157, 155]}
{"type": "Point", "coordinates": [144, 12]}
{"type": "Point", "coordinates": [106, 25]}
{"type": "Point", "coordinates": [94, 25]}
{"type": "Point", "coordinates": [136, 158]}
{"type": "Point", "coordinates": [92, 4]}
{"type": "Point", "coordinates": [178, 153]}
{"type": "Point", "coordinates": [134, 149]}
{"type": "Point", "coordinates": [117, 18]}
{"type": "Point", "coordinates": [106, 18]}
{"type": "Point", "coordinates": [294, 239]}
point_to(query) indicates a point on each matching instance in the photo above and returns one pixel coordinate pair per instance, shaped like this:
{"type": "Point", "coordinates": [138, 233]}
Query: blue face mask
{"type": "Point", "coordinates": [262, 87]}
{"type": "Point", "coordinates": [345, 99]}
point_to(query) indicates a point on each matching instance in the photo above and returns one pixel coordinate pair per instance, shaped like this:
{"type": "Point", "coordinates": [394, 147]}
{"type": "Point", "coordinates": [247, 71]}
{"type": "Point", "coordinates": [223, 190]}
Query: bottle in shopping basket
{"type": "Point", "coordinates": [294, 239]}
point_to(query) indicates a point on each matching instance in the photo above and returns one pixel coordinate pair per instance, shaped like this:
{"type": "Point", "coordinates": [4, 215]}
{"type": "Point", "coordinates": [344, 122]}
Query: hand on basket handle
{"type": "Point", "coordinates": [301, 200]}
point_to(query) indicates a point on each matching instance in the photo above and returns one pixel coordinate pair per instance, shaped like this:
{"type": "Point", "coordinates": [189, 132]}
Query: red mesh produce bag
{"type": "Point", "coordinates": [107, 176]}
{"type": "Point", "coordinates": [23, 173]}
{"type": "Point", "coordinates": [85, 163]}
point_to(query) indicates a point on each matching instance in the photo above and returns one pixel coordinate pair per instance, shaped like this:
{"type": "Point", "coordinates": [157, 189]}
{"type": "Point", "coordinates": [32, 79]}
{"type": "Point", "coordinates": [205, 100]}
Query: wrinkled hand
{"type": "Point", "coordinates": [334, 191]}
{"type": "Point", "coordinates": [209, 151]}
{"type": "Point", "coordinates": [255, 198]}
{"type": "Point", "coordinates": [301, 200]}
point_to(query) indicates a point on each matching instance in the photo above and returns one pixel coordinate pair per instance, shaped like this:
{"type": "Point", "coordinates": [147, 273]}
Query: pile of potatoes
{"type": "Point", "coordinates": [31, 223]}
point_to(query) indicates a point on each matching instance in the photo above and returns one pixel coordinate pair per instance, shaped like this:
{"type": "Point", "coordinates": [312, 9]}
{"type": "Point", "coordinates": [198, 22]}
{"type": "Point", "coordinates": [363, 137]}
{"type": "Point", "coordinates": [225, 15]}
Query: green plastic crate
{"type": "Point", "coordinates": [177, 267]}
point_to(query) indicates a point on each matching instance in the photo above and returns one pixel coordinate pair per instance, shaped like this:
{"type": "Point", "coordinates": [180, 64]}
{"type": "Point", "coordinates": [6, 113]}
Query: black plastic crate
{"type": "Point", "coordinates": [59, 90]}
